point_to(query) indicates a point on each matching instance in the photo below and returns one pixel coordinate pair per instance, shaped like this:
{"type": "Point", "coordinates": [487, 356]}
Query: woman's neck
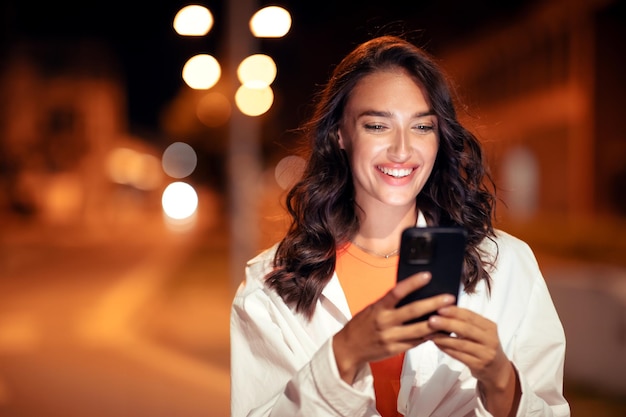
{"type": "Point", "coordinates": [380, 233]}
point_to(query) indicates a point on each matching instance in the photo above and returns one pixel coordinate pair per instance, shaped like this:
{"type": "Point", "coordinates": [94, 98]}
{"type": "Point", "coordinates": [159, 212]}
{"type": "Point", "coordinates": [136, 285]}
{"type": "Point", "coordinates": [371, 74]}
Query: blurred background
{"type": "Point", "coordinates": [145, 150]}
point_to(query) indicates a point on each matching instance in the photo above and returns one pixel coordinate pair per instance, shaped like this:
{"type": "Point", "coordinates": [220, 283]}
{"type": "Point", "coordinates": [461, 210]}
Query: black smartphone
{"type": "Point", "coordinates": [439, 250]}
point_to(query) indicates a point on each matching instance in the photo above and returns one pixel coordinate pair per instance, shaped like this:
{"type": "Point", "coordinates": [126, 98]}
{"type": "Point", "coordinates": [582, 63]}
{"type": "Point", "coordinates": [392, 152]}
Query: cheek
{"type": "Point", "coordinates": [359, 148]}
{"type": "Point", "coordinates": [435, 151]}
{"type": "Point", "coordinates": [355, 156]}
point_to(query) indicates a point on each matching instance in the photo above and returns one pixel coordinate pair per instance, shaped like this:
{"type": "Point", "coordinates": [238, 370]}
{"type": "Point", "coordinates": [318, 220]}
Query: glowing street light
{"type": "Point", "coordinates": [257, 69]}
{"type": "Point", "coordinates": [270, 22]}
{"type": "Point", "coordinates": [255, 96]}
{"type": "Point", "coordinates": [254, 100]}
{"type": "Point", "coordinates": [202, 72]}
{"type": "Point", "coordinates": [193, 20]}
{"type": "Point", "coordinates": [179, 200]}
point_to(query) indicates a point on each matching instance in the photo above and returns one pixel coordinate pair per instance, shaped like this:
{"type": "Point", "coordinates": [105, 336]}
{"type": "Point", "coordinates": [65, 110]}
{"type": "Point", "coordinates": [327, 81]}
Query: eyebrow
{"type": "Point", "coordinates": [378, 113]}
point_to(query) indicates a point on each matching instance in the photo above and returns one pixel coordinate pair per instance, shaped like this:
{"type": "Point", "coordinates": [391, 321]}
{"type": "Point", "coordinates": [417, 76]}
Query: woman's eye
{"type": "Point", "coordinates": [424, 128]}
{"type": "Point", "coordinates": [374, 127]}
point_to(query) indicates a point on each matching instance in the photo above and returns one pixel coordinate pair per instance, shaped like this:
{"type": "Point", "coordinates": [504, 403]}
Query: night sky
{"type": "Point", "coordinates": [151, 55]}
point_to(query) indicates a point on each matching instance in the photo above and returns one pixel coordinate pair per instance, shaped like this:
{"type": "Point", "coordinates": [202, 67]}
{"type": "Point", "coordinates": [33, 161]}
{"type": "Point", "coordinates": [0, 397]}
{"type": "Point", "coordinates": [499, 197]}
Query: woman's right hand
{"type": "Point", "coordinates": [378, 331]}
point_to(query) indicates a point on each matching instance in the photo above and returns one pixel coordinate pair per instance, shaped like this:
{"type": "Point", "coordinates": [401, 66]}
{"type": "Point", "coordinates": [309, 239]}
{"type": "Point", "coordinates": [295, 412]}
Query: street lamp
{"type": "Point", "coordinates": [193, 20]}
{"type": "Point", "coordinates": [201, 72]}
{"type": "Point", "coordinates": [270, 22]}
{"type": "Point", "coordinates": [253, 97]}
{"type": "Point", "coordinates": [255, 72]}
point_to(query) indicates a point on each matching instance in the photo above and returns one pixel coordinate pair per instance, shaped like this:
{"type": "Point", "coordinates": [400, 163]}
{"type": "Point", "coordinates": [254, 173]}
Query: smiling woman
{"type": "Point", "coordinates": [317, 328]}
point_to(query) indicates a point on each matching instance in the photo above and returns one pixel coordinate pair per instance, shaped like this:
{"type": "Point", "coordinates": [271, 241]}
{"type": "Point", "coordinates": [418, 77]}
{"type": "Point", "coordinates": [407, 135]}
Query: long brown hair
{"type": "Point", "coordinates": [322, 205]}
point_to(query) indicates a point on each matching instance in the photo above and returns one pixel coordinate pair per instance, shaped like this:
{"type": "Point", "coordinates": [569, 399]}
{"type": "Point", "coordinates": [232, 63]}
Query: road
{"type": "Point", "coordinates": [88, 323]}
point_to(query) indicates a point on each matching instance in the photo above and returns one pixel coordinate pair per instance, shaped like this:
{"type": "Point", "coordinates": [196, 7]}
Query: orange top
{"type": "Point", "coordinates": [366, 278]}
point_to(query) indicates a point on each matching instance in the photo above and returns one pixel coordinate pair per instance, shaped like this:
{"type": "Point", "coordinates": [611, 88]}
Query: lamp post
{"type": "Point", "coordinates": [244, 155]}
{"type": "Point", "coordinates": [244, 166]}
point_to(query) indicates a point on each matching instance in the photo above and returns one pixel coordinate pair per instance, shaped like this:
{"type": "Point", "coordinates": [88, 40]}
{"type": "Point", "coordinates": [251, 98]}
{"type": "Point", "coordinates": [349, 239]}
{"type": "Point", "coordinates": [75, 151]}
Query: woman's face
{"type": "Point", "coordinates": [389, 133]}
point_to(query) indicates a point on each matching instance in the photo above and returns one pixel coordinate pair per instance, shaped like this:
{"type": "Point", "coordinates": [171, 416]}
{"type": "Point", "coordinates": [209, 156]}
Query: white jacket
{"type": "Point", "coordinates": [283, 365]}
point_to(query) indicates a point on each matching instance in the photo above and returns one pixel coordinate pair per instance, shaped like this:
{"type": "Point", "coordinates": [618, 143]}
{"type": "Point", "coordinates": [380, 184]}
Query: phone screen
{"type": "Point", "coordinates": [439, 250]}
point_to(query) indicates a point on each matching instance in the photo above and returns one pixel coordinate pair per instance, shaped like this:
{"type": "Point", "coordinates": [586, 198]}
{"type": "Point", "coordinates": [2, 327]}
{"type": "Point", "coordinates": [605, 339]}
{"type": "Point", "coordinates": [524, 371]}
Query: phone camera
{"type": "Point", "coordinates": [420, 249]}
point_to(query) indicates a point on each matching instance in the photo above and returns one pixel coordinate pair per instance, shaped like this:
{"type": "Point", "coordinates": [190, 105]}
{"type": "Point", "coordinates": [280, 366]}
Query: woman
{"type": "Point", "coordinates": [314, 328]}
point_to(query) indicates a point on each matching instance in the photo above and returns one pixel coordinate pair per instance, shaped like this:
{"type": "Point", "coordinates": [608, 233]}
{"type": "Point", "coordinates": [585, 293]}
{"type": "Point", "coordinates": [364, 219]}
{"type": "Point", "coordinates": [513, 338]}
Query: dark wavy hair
{"type": "Point", "coordinates": [459, 191]}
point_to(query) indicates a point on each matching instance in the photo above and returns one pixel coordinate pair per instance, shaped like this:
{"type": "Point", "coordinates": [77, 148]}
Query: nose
{"type": "Point", "coordinates": [399, 148]}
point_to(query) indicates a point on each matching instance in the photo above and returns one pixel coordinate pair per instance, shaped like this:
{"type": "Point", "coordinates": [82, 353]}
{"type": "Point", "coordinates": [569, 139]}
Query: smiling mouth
{"type": "Point", "coordinates": [395, 172]}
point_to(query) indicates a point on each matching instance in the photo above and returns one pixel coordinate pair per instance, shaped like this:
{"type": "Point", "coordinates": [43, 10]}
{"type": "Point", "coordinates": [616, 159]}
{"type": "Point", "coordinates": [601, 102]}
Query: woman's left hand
{"type": "Point", "coordinates": [476, 343]}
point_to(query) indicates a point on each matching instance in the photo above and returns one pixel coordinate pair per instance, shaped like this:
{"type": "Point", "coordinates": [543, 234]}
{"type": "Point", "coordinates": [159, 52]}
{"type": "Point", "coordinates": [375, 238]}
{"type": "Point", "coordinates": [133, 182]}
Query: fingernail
{"type": "Point", "coordinates": [447, 298]}
{"type": "Point", "coordinates": [425, 276]}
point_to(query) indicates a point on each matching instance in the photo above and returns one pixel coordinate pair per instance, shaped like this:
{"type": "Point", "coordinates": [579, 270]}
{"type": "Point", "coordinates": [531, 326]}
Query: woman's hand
{"type": "Point", "coordinates": [477, 345]}
{"type": "Point", "coordinates": [378, 332]}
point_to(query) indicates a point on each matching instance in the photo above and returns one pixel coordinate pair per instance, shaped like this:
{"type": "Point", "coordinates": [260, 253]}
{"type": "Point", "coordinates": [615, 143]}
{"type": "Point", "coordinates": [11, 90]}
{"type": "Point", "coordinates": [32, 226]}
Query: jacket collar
{"type": "Point", "coordinates": [333, 291]}
{"type": "Point", "coordinates": [334, 294]}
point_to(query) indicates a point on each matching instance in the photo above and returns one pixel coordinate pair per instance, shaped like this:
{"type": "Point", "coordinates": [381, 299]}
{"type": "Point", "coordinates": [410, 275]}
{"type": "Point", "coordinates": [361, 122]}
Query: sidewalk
{"type": "Point", "coordinates": [190, 312]}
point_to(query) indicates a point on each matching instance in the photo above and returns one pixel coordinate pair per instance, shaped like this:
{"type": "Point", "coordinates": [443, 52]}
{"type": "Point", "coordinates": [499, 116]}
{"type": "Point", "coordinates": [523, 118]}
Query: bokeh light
{"type": "Point", "coordinates": [254, 101]}
{"type": "Point", "coordinates": [213, 109]}
{"type": "Point", "coordinates": [179, 200]}
{"type": "Point", "coordinates": [62, 198]}
{"type": "Point", "coordinates": [202, 72]}
{"type": "Point", "coordinates": [258, 68]}
{"type": "Point", "coordinates": [179, 160]}
{"type": "Point", "coordinates": [193, 20]}
{"type": "Point", "coordinates": [129, 167]}
{"type": "Point", "coordinates": [270, 22]}
{"type": "Point", "coordinates": [288, 171]}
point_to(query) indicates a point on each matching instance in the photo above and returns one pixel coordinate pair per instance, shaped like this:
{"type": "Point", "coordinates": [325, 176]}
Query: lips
{"type": "Point", "coordinates": [395, 172]}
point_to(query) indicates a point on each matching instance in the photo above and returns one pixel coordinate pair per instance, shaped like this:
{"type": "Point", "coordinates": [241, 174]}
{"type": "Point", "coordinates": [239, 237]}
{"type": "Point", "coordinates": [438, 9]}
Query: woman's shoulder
{"type": "Point", "coordinates": [504, 244]}
{"type": "Point", "coordinates": [264, 259]}
{"type": "Point", "coordinates": [256, 270]}
{"type": "Point", "coordinates": [508, 252]}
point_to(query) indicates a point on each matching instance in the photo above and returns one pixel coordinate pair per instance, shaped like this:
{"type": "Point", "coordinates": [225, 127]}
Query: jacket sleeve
{"type": "Point", "coordinates": [540, 357]}
{"type": "Point", "coordinates": [537, 348]}
{"type": "Point", "coordinates": [275, 373]}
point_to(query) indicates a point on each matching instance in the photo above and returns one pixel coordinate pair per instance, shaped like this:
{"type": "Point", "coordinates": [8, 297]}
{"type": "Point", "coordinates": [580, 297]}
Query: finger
{"type": "Point", "coordinates": [444, 323]}
{"type": "Point", "coordinates": [467, 339]}
{"type": "Point", "coordinates": [469, 358]}
{"type": "Point", "coordinates": [427, 305]}
{"type": "Point", "coordinates": [467, 316]}
{"type": "Point", "coordinates": [466, 324]}
{"type": "Point", "coordinates": [404, 288]}
{"type": "Point", "coordinates": [460, 327]}
{"type": "Point", "coordinates": [413, 333]}
{"type": "Point", "coordinates": [467, 351]}
{"type": "Point", "coordinates": [480, 359]}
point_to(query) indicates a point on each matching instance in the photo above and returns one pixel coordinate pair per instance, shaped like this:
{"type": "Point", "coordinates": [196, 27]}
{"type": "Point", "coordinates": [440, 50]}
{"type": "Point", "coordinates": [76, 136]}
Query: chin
{"type": "Point", "coordinates": [400, 202]}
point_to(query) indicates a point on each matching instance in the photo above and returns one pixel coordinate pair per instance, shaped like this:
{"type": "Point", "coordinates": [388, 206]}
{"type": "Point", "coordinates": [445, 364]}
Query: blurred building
{"type": "Point", "coordinates": [543, 90]}
{"type": "Point", "coordinates": [547, 90]}
{"type": "Point", "coordinates": [63, 112]}
{"type": "Point", "coordinates": [545, 96]}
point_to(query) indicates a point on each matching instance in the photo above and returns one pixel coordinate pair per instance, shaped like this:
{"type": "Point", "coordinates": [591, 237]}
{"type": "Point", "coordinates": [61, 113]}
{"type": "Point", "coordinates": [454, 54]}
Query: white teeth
{"type": "Point", "coordinates": [395, 172]}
